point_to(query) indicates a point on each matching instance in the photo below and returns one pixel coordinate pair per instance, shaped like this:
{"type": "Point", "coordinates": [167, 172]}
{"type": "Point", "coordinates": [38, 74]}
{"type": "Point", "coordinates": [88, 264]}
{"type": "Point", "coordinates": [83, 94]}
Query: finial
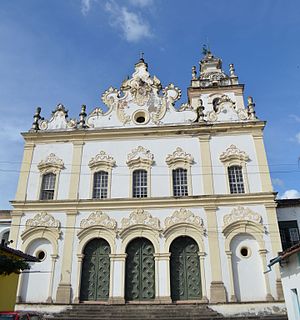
{"type": "Point", "coordinates": [141, 56]}
{"type": "Point", "coordinates": [232, 70]}
{"type": "Point", "coordinates": [251, 109]}
{"type": "Point", "coordinates": [82, 116]}
{"type": "Point", "coordinates": [36, 118]}
{"type": "Point", "coordinates": [200, 113]}
{"type": "Point", "coordinates": [194, 73]}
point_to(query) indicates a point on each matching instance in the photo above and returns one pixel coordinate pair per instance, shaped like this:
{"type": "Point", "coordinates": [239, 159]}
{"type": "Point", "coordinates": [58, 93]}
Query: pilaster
{"type": "Point", "coordinates": [162, 278]}
{"type": "Point", "coordinates": [15, 228]}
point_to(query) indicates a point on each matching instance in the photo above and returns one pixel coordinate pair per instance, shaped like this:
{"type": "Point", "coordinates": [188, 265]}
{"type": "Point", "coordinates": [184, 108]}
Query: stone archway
{"type": "Point", "coordinates": [185, 276]}
{"type": "Point", "coordinates": [95, 275]}
{"type": "Point", "coordinates": [140, 270]}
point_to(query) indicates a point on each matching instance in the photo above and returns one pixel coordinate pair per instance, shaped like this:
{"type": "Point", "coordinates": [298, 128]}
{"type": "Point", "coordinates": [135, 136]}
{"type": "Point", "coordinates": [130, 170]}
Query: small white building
{"type": "Point", "coordinates": [147, 201]}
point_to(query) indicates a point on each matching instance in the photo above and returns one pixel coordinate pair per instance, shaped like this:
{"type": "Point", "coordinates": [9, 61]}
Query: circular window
{"type": "Point", "coordinates": [140, 117]}
{"type": "Point", "coordinates": [245, 252]}
{"type": "Point", "coordinates": [41, 255]}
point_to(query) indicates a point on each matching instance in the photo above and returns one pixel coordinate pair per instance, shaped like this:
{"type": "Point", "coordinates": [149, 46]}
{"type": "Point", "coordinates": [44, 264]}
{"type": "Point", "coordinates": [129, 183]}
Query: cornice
{"type": "Point", "coordinates": [195, 129]}
{"type": "Point", "coordinates": [206, 201]}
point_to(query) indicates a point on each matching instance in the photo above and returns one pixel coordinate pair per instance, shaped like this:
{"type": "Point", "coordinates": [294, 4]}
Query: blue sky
{"type": "Point", "coordinates": [71, 51]}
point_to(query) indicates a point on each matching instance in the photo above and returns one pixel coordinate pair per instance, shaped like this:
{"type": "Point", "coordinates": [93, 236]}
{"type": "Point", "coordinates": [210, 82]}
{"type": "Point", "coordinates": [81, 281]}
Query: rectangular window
{"type": "Point", "coordinates": [235, 177]}
{"type": "Point", "coordinates": [289, 233]}
{"type": "Point", "coordinates": [180, 185]}
{"type": "Point", "coordinates": [139, 184]}
{"type": "Point", "coordinates": [100, 187]}
{"type": "Point", "coordinates": [48, 186]}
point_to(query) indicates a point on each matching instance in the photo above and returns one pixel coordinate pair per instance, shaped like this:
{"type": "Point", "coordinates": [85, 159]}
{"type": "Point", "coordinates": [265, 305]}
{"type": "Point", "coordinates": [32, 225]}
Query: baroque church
{"type": "Point", "coordinates": [148, 201]}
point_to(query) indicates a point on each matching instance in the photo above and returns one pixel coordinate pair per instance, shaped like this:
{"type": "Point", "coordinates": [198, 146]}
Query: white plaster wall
{"type": "Point", "coordinates": [160, 175]}
{"type": "Point", "coordinates": [218, 145]}
{"type": "Point", "coordinates": [288, 214]}
{"type": "Point", "coordinates": [41, 151]}
{"type": "Point", "coordinates": [290, 276]}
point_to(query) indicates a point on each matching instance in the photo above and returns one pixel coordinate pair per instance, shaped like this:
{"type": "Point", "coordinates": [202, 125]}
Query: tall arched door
{"type": "Point", "coordinates": [95, 271]}
{"type": "Point", "coordinates": [185, 270]}
{"type": "Point", "coordinates": [140, 271]}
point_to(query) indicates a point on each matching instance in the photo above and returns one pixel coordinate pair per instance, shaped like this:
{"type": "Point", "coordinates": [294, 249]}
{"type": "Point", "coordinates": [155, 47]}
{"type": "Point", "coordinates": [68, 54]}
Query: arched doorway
{"type": "Point", "coordinates": [95, 271]}
{"type": "Point", "coordinates": [140, 270]}
{"type": "Point", "coordinates": [185, 270]}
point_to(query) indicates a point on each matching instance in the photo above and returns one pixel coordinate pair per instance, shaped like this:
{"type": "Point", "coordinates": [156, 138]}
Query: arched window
{"type": "Point", "coordinates": [5, 237]}
{"type": "Point", "coordinates": [180, 183]}
{"type": "Point", "coordinates": [139, 183]}
{"type": "Point", "coordinates": [235, 178]}
{"type": "Point", "coordinates": [48, 186]}
{"type": "Point", "coordinates": [100, 185]}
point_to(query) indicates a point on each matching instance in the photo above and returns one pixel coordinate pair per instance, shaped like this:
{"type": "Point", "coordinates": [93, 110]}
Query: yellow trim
{"type": "Point", "coordinates": [16, 217]}
{"type": "Point", "coordinates": [75, 170]}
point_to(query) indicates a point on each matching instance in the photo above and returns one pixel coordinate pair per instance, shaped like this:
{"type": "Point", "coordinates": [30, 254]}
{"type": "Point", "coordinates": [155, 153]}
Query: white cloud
{"type": "Point", "coordinates": [291, 194]}
{"type": "Point", "coordinates": [85, 6]}
{"type": "Point", "coordinates": [295, 117]}
{"type": "Point", "coordinates": [141, 3]}
{"type": "Point", "coordinates": [133, 27]}
{"type": "Point", "coordinates": [298, 137]}
{"type": "Point", "coordinates": [277, 182]}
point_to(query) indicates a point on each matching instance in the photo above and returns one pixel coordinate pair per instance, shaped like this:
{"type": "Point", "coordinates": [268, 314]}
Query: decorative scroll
{"type": "Point", "coordinates": [138, 156]}
{"type": "Point", "coordinates": [52, 161]}
{"type": "Point", "coordinates": [99, 218]}
{"type": "Point", "coordinates": [43, 219]}
{"type": "Point", "coordinates": [179, 155]}
{"type": "Point", "coordinates": [241, 213]}
{"type": "Point", "coordinates": [102, 159]}
{"type": "Point", "coordinates": [140, 217]}
{"type": "Point", "coordinates": [233, 153]}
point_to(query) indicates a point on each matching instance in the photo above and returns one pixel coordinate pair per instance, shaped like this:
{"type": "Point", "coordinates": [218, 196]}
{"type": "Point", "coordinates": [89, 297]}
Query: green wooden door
{"type": "Point", "coordinates": [185, 270]}
{"type": "Point", "coordinates": [95, 271]}
{"type": "Point", "coordinates": [140, 272]}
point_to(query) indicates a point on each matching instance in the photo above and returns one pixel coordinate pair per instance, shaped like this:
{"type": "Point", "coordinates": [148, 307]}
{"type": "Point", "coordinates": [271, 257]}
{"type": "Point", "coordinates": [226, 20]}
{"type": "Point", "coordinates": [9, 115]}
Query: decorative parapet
{"type": "Point", "coordinates": [44, 220]}
{"type": "Point", "coordinates": [179, 156]}
{"type": "Point", "coordinates": [59, 120]}
{"type": "Point", "coordinates": [242, 214]}
{"type": "Point", "coordinates": [234, 154]}
{"type": "Point", "coordinates": [99, 218]}
{"type": "Point", "coordinates": [102, 159]}
{"type": "Point", "coordinates": [183, 217]}
{"type": "Point", "coordinates": [140, 156]}
{"type": "Point", "coordinates": [51, 162]}
{"type": "Point", "coordinates": [140, 217]}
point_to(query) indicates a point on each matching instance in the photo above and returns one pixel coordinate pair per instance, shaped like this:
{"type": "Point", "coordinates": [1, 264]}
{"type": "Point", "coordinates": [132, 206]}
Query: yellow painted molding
{"type": "Point", "coordinates": [76, 168]}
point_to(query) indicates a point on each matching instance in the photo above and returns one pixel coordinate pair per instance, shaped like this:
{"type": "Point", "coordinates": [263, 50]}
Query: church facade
{"type": "Point", "coordinates": [148, 202]}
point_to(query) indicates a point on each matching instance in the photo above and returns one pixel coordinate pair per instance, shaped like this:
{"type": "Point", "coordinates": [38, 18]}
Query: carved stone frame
{"type": "Point", "coordinates": [180, 159]}
{"type": "Point", "coordinates": [235, 157]}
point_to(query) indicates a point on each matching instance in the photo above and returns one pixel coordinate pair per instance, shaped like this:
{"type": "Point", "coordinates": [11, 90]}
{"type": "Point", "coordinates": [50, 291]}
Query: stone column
{"type": "Point", "coordinates": [207, 174]}
{"type": "Point", "coordinates": [217, 288]}
{"type": "Point", "coordinates": [64, 289]}
{"type": "Point", "coordinates": [79, 270]}
{"type": "Point", "coordinates": [262, 161]}
{"type": "Point", "coordinates": [203, 277]}
{"type": "Point", "coordinates": [162, 277]}
{"type": "Point", "coordinates": [262, 253]}
{"type": "Point", "coordinates": [117, 285]}
{"type": "Point", "coordinates": [274, 235]}
{"type": "Point", "coordinates": [50, 289]}
{"type": "Point", "coordinates": [24, 172]}
{"type": "Point", "coordinates": [232, 290]}
{"type": "Point", "coordinates": [75, 170]}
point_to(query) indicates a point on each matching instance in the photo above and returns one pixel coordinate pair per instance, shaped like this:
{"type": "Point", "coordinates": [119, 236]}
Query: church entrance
{"type": "Point", "coordinates": [140, 271]}
{"type": "Point", "coordinates": [185, 270]}
{"type": "Point", "coordinates": [95, 271]}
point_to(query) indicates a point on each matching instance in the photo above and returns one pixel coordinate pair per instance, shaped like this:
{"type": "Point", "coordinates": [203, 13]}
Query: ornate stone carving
{"type": "Point", "coordinates": [179, 155]}
{"type": "Point", "coordinates": [140, 217]}
{"type": "Point", "coordinates": [43, 219]}
{"type": "Point", "coordinates": [51, 162]}
{"type": "Point", "coordinates": [139, 156]}
{"type": "Point", "coordinates": [99, 218]}
{"type": "Point", "coordinates": [59, 120]}
{"type": "Point", "coordinates": [184, 216]}
{"type": "Point", "coordinates": [241, 213]}
{"type": "Point", "coordinates": [233, 153]}
{"type": "Point", "coordinates": [102, 159]}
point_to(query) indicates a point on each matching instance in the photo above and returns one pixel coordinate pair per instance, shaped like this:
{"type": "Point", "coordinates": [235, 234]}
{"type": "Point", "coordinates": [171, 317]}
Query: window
{"type": "Point", "coordinates": [180, 184]}
{"type": "Point", "coordinates": [235, 177]}
{"type": "Point", "coordinates": [48, 186]}
{"type": "Point", "coordinates": [139, 186]}
{"type": "Point", "coordinates": [100, 186]}
{"type": "Point", "coordinates": [289, 233]}
{"type": "Point", "coordinates": [5, 237]}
